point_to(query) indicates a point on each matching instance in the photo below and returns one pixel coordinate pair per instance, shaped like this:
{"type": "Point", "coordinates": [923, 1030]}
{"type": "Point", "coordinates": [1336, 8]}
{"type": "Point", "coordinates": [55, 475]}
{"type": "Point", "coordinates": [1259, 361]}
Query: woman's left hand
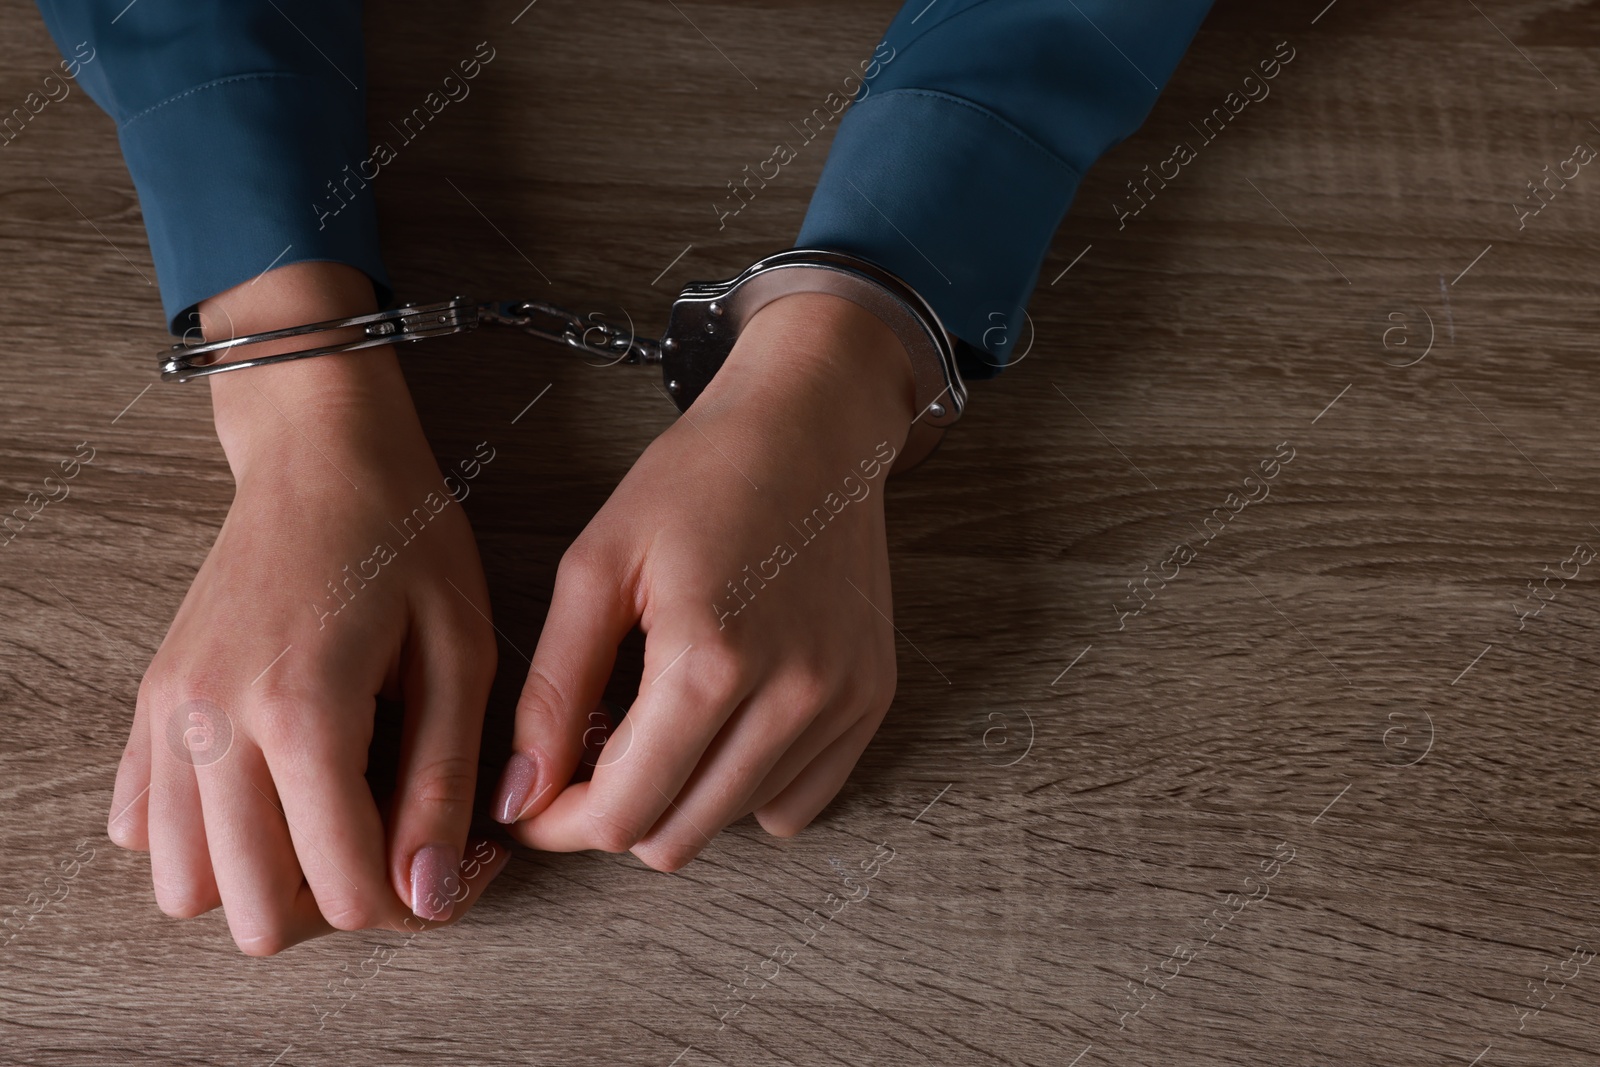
{"type": "Point", "coordinates": [748, 543]}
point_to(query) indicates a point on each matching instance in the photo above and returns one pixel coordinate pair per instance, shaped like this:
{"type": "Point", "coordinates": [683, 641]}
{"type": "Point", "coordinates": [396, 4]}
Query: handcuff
{"type": "Point", "coordinates": [705, 321]}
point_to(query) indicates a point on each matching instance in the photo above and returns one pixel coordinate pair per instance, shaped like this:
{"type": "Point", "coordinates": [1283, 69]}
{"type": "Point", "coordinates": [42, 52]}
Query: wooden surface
{"type": "Point", "coordinates": [1339, 673]}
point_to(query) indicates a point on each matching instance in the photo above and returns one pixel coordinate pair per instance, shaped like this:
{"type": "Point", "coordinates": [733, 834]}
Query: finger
{"type": "Point", "coordinates": [333, 824]}
{"type": "Point", "coordinates": [481, 864]}
{"type": "Point", "coordinates": [127, 823]}
{"type": "Point", "coordinates": [180, 861]}
{"type": "Point", "coordinates": [589, 616]}
{"type": "Point", "coordinates": [446, 684]}
{"type": "Point", "coordinates": [303, 923]}
{"type": "Point", "coordinates": [692, 685]}
{"type": "Point", "coordinates": [779, 724]}
{"type": "Point", "coordinates": [812, 790]}
{"type": "Point", "coordinates": [252, 856]}
{"type": "Point", "coordinates": [829, 726]}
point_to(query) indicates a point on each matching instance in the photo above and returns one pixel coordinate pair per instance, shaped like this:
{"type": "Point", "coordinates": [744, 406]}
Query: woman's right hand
{"type": "Point", "coordinates": [345, 571]}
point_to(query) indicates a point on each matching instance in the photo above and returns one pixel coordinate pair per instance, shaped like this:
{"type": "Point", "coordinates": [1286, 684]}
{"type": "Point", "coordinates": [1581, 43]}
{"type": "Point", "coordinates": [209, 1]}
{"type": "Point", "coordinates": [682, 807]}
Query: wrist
{"type": "Point", "coordinates": [836, 348]}
{"type": "Point", "coordinates": [331, 404]}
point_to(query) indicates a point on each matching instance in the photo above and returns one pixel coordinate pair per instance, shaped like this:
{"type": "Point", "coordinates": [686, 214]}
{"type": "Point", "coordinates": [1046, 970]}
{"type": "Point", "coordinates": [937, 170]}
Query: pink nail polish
{"type": "Point", "coordinates": [516, 788]}
{"type": "Point", "coordinates": [434, 882]}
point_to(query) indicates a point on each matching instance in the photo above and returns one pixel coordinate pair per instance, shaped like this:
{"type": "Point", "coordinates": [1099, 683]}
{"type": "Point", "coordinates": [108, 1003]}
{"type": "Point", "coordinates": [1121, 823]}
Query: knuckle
{"type": "Point", "coordinates": [123, 832]}
{"type": "Point", "coordinates": [874, 693]}
{"type": "Point", "coordinates": [278, 723]}
{"type": "Point", "coordinates": [158, 679]}
{"type": "Point", "coordinates": [540, 695]}
{"type": "Point", "coordinates": [169, 682]}
{"type": "Point", "coordinates": [181, 900]}
{"type": "Point", "coordinates": [153, 687]}
{"type": "Point", "coordinates": [716, 675]}
{"type": "Point", "coordinates": [446, 782]}
{"type": "Point", "coordinates": [666, 855]}
{"type": "Point", "coordinates": [265, 933]}
{"type": "Point", "coordinates": [268, 941]}
{"type": "Point", "coordinates": [882, 699]}
{"type": "Point", "coordinates": [808, 692]}
{"type": "Point", "coordinates": [475, 646]}
{"type": "Point", "coordinates": [613, 833]}
{"type": "Point", "coordinates": [780, 822]}
{"type": "Point", "coordinates": [189, 712]}
{"type": "Point", "coordinates": [283, 718]}
{"type": "Point", "coordinates": [583, 568]}
{"type": "Point", "coordinates": [183, 907]}
{"type": "Point", "coordinates": [163, 692]}
{"type": "Point", "coordinates": [348, 914]}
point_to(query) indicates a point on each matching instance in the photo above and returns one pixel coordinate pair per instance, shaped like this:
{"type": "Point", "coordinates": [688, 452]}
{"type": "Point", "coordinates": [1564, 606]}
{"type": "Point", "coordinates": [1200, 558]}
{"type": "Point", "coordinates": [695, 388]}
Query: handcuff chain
{"type": "Point", "coordinates": [594, 334]}
{"type": "Point", "coordinates": [411, 322]}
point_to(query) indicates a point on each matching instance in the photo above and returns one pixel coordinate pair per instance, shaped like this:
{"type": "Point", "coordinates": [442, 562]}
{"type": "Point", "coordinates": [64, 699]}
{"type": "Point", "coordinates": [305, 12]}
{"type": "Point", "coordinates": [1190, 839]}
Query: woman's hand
{"type": "Point", "coordinates": [748, 543]}
{"type": "Point", "coordinates": [344, 570]}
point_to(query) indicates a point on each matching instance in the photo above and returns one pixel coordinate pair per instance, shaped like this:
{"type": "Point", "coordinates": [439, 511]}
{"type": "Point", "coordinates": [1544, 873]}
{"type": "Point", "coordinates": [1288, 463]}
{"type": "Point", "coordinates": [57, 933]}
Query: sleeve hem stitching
{"type": "Point", "coordinates": [982, 111]}
{"type": "Point", "coordinates": [131, 119]}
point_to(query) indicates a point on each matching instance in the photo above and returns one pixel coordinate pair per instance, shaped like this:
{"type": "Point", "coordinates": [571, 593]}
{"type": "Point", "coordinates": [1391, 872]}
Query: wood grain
{"type": "Point", "coordinates": [1340, 672]}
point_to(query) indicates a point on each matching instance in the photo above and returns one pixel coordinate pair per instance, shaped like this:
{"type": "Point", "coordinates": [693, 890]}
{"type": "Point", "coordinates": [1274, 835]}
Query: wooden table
{"type": "Point", "coordinates": [1322, 796]}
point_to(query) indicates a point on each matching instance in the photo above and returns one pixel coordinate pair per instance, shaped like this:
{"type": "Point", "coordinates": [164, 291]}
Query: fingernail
{"type": "Point", "coordinates": [516, 786]}
{"type": "Point", "coordinates": [433, 882]}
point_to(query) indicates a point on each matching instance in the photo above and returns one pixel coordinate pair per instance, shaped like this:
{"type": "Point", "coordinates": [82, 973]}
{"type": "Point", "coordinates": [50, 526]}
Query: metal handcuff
{"type": "Point", "coordinates": [706, 319]}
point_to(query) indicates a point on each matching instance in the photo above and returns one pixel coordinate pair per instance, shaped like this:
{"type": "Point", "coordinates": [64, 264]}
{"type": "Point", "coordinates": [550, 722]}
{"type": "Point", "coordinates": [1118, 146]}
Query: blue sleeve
{"type": "Point", "coordinates": [975, 123]}
{"type": "Point", "coordinates": [242, 122]}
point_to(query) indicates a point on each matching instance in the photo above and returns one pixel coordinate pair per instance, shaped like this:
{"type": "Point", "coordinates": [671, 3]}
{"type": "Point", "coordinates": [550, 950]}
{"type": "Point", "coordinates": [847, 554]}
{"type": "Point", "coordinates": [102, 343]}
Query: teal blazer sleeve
{"type": "Point", "coordinates": [974, 124]}
{"type": "Point", "coordinates": [243, 124]}
{"type": "Point", "coordinates": [239, 121]}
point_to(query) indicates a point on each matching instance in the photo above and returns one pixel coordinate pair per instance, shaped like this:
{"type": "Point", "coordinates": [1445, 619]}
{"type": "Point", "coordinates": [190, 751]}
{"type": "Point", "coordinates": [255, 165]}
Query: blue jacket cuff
{"type": "Point", "coordinates": [224, 201]}
{"type": "Point", "coordinates": [982, 197]}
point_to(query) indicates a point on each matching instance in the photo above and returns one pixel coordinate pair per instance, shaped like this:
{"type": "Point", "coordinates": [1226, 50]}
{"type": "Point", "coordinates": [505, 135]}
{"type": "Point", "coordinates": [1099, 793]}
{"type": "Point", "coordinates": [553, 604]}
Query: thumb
{"type": "Point", "coordinates": [558, 714]}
